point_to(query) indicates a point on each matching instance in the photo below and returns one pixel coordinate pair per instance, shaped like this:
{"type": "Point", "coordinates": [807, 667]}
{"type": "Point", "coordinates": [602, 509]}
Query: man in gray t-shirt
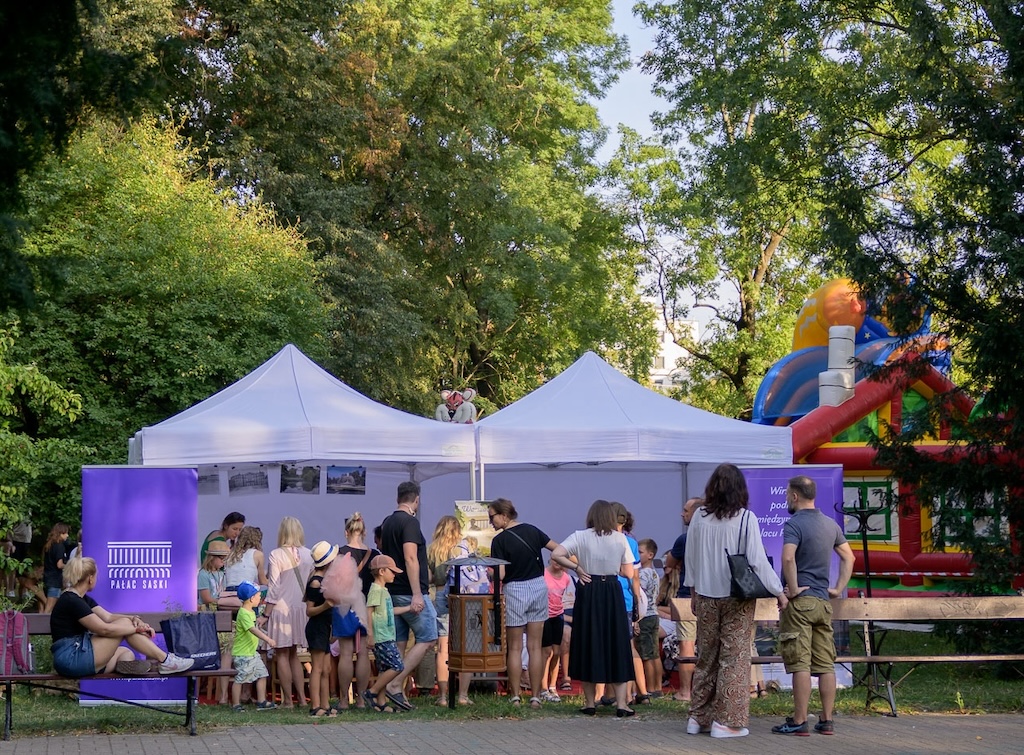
{"type": "Point", "coordinates": [805, 625]}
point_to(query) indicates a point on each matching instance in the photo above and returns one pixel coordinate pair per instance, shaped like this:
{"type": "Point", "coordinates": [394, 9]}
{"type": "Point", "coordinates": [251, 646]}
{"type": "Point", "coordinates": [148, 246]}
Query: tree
{"type": "Point", "coordinates": [58, 61]}
{"type": "Point", "coordinates": [724, 205]}
{"type": "Point", "coordinates": [928, 191]}
{"type": "Point", "coordinates": [30, 463]}
{"type": "Point", "coordinates": [167, 293]}
{"type": "Point", "coordinates": [439, 159]}
{"type": "Point", "coordinates": [909, 117]}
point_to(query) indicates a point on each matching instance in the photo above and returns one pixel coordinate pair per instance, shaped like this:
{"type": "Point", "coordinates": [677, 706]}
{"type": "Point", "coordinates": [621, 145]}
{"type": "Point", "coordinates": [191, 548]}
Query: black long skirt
{"type": "Point", "coordinates": [599, 646]}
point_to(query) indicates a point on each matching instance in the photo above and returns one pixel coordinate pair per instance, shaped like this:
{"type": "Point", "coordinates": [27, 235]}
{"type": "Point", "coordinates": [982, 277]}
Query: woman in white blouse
{"type": "Point", "coordinates": [599, 649]}
{"type": "Point", "coordinates": [721, 700]}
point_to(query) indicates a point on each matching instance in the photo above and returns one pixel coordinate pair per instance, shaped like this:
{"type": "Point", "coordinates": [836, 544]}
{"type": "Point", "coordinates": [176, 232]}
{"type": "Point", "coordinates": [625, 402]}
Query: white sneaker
{"type": "Point", "coordinates": [719, 731]}
{"type": "Point", "coordinates": [551, 696]}
{"type": "Point", "coordinates": [692, 727]}
{"type": "Point", "coordinates": [172, 664]}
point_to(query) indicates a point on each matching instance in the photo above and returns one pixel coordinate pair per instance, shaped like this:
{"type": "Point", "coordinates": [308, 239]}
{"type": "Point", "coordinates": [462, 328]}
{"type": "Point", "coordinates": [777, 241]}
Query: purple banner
{"type": "Point", "coordinates": [139, 524]}
{"type": "Point", "coordinates": [768, 501]}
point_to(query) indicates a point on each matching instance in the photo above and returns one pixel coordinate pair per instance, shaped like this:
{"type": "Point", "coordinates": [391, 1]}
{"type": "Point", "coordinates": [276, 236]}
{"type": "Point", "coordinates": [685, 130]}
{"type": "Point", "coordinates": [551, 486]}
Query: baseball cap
{"type": "Point", "coordinates": [382, 561]}
{"type": "Point", "coordinates": [246, 590]}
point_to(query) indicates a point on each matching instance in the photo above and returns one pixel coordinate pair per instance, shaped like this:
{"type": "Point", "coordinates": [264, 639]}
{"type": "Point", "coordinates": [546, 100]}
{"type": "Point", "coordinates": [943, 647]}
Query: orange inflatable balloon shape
{"type": "Point", "coordinates": [836, 303]}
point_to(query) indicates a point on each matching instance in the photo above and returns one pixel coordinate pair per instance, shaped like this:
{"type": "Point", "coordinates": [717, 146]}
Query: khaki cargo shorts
{"type": "Point", "coordinates": [805, 636]}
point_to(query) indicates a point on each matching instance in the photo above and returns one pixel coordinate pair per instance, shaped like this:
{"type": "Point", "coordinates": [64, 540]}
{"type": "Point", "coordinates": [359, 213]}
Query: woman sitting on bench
{"type": "Point", "coordinates": [87, 638]}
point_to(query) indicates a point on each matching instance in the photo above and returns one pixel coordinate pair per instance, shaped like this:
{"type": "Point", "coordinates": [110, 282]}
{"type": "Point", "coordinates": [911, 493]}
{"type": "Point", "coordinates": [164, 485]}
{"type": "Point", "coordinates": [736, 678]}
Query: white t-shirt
{"type": "Point", "coordinates": [599, 554]}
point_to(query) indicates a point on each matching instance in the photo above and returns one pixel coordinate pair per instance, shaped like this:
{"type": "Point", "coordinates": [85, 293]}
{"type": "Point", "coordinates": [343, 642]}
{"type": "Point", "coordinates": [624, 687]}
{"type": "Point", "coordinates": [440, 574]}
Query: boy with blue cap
{"type": "Point", "coordinates": [248, 665]}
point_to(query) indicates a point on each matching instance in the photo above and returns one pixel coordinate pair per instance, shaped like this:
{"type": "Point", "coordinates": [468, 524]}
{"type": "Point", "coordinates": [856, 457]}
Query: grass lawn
{"type": "Point", "coordinates": [933, 688]}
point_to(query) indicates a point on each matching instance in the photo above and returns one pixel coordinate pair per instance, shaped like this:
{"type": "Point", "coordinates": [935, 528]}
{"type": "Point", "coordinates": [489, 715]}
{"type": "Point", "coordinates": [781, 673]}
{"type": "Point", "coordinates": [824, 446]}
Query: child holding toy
{"type": "Point", "coordinates": [318, 632]}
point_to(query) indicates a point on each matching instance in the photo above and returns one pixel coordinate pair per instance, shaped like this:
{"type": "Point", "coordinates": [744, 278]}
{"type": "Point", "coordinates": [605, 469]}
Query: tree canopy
{"type": "Point", "coordinates": [893, 131]}
{"type": "Point", "coordinates": [166, 292]}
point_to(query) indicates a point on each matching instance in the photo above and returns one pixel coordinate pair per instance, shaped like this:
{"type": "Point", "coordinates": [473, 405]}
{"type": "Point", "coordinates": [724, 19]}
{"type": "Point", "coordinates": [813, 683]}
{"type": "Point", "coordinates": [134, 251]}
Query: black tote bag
{"type": "Point", "coordinates": [193, 635]}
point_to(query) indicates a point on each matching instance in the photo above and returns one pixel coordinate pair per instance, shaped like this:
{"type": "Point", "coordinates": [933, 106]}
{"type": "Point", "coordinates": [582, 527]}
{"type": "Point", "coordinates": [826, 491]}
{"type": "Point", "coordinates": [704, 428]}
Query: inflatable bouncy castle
{"type": "Point", "coordinates": [797, 391]}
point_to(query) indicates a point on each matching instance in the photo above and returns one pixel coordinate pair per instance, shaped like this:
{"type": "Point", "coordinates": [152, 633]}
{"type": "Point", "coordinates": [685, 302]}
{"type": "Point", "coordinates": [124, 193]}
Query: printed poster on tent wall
{"type": "Point", "coordinates": [139, 524]}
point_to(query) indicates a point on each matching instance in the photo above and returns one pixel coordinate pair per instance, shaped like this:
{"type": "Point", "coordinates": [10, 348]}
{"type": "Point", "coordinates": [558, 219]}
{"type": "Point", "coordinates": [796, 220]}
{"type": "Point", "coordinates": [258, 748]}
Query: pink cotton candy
{"type": "Point", "coordinates": [342, 586]}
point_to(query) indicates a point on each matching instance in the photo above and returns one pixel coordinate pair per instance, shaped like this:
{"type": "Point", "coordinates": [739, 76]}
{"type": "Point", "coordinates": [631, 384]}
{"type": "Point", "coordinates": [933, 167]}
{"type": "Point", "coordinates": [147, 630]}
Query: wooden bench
{"type": "Point", "coordinates": [39, 624]}
{"type": "Point", "coordinates": [878, 676]}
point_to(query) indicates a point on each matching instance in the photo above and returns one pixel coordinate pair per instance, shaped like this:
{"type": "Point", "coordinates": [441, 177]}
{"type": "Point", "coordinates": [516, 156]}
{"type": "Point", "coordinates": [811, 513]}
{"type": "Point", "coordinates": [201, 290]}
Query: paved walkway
{"type": "Point", "coordinates": [858, 735]}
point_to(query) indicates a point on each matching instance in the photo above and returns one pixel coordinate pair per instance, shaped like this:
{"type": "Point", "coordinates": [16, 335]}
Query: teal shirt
{"type": "Point", "coordinates": [382, 613]}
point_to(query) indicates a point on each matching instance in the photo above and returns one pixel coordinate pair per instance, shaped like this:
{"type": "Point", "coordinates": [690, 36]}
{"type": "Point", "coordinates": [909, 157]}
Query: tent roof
{"type": "Point", "coordinates": [291, 409]}
{"type": "Point", "coordinates": [594, 413]}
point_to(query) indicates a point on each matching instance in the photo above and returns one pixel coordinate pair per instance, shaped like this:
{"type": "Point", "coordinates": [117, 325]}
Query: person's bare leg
{"type": "Point", "coordinates": [514, 662]}
{"type": "Point", "coordinates": [413, 657]}
{"type": "Point", "coordinates": [298, 678]}
{"type": "Point", "coordinates": [827, 691]}
{"type": "Point", "coordinates": [283, 659]}
{"type": "Point", "coordinates": [589, 694]}
{"type": "Point", "coordinates": [535, 653]}
{"type": "Point", "coordinates": [346, 646]}
{"type": "Point", "coordinates": [621, 695]}
{"type": "Point", "coordinates": [802, 695]}
{"type": "Point", "coordinates": [362, 672]}
{"type": "Point", "coordinates": [441, 670]}
{"type": "Point", "coordinates": [687, 649]}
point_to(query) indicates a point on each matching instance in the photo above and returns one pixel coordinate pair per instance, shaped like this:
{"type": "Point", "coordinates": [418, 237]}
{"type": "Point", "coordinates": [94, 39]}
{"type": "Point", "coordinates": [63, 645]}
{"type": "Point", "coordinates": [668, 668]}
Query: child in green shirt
{"type": "Point", "coordinates": [248, 665]}
{"type": "Point", "coordinates": [382, 632]}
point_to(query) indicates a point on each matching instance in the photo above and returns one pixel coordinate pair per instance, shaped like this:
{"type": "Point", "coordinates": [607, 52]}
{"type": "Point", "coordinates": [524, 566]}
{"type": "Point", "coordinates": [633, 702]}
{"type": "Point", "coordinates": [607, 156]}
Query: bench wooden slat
{"type": "Point", "coordinates": [987, 608]}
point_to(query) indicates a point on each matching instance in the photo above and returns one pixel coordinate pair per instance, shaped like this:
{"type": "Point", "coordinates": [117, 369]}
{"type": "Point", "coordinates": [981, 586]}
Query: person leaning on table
{"type": "Point", "coordinates": [87, 638]}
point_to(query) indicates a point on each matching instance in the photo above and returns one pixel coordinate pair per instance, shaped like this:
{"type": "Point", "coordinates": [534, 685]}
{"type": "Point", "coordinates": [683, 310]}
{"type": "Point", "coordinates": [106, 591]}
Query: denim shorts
{"type": "Point", "coordinates": [73, 657]}
{"type": "Point", "coordinates": [53, 592]}
{"type": "Point", "coordinates": [422, 624]}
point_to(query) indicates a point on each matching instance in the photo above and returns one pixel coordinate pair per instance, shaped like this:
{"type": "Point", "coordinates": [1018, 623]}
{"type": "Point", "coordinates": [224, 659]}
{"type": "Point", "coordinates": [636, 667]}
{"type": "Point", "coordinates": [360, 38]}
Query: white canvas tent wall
{"type": "Point", "coordinates": [591, 432]}
{"type": "Point", "coordinates": [291, 410]}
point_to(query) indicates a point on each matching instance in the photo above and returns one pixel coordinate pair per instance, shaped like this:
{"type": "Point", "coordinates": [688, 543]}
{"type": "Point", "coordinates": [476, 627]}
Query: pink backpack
{"type": "Point", "coordinates": [14, 653]}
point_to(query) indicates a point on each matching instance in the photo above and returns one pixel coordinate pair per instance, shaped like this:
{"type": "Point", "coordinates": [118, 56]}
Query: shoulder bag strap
{"type": "Point", "coordinates": [512, 532]}
{"type": "Point", "coordinates": [369, 552]}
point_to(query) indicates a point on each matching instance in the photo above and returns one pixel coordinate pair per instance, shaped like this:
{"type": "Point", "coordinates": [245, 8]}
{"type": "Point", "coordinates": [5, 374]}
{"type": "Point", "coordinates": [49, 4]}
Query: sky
{"type": "Point", "coordinates": [630, 101]}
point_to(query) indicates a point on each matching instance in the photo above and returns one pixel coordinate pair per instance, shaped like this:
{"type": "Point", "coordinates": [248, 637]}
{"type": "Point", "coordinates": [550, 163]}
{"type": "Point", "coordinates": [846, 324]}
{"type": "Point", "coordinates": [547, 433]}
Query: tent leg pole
{"type": "Point", "coordinates": [483, 494]}
{"type": "Point", "coordinates": [472, 481]}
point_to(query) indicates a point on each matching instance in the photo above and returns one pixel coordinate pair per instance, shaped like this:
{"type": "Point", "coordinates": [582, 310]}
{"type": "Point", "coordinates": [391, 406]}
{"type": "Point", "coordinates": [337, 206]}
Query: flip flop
{"type": "Point", "coordinates": [318, 712]}
{"type": "Point", "coordinates": [398, 698]}
{"type": "Point", "coordinates": [565, 686]}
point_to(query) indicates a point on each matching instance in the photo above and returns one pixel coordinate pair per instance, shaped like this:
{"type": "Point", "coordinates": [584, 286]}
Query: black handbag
{"type": "Point", "coordinates": [745, 583]}
{"type": "Point", "coordinates": [193, 635]}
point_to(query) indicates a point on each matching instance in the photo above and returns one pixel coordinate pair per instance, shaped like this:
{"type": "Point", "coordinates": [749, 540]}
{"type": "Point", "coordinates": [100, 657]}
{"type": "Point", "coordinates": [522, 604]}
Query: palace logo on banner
{"type": "Point", "coordinates": [139, 524]}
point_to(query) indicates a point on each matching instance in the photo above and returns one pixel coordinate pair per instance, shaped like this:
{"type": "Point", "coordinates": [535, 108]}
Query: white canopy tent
{"type": "Point", "coordinates": [594, 413]}
{"type": "Point", "coordinates": [290, 408]}
{"type": "Point", "coordinates": [291, 411]}
{"type": "Point", "coordinates": [591, 432]}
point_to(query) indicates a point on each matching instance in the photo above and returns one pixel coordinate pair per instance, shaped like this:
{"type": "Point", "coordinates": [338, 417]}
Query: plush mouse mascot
{"type": "Point", "coordinates": [456, 407]}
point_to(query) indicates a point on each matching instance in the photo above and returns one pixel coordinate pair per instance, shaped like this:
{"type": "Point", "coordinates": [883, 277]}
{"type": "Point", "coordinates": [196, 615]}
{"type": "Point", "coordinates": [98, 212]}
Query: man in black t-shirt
{"type": "Point", "coordinates": [402, 539]}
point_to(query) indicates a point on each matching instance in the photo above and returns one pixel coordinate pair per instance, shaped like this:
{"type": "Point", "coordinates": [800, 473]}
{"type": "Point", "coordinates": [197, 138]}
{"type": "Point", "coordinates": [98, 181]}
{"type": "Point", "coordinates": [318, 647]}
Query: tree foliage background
{"type": "Point", "coordinates": [407, 191]}
{"type": "Point", "coordinates": [889, 135]}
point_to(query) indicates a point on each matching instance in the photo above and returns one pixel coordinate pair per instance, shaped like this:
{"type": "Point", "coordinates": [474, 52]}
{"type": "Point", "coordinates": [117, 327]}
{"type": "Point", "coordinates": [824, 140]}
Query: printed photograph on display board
{"type": "Point", "coordinates": [209, 481]}
{"type": "Point", "coordinates": [299, 479]}
{"type": "Point", "coordinates": [346, 480]}
{"type": "Point", "coordinates": [475, 523]}
{"type": "Point", "coordinates": [248, 480]}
